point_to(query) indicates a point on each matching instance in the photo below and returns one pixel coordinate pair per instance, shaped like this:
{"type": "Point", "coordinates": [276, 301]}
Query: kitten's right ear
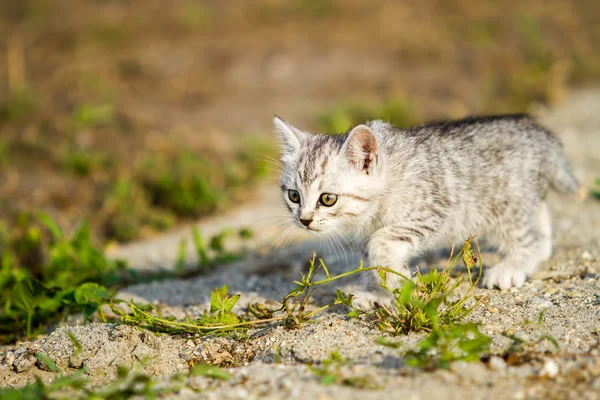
{"type": "Point", "coordinates": [290, 136]}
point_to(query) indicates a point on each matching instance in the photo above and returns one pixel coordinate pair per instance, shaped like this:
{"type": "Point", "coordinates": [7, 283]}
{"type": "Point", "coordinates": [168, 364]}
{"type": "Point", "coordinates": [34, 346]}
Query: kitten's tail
{"type": "Point", "coordinates": [561, 177]}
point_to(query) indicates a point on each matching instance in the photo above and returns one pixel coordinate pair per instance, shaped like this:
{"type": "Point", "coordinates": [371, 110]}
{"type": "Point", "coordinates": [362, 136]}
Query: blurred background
{"type": "Point", "coordinates": [137, 115]}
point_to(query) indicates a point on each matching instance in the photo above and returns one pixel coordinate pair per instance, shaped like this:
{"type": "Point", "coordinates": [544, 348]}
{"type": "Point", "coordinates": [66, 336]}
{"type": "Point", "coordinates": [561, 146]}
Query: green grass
{"type": "Point", "coordinates": [463, 342]}
{"type": "Point", "coordinates": [45, 274]}
{"type": "Point", "coordinates": [339, 119]}
{"type": "Point", "coordinates": [127, 211]}
{"type": "Point", "coordinates": [129, 384]}
{"type": "Point", "coordinates": [595, 192]}
{"type": "Point", "coordinates": [17, 107]}
{"type": "Point", "coordinates": [422, 306]}
{"type": "Point", "coordinates": [329, 372]}
{"type": "Point", "coordinates": [429, 301]}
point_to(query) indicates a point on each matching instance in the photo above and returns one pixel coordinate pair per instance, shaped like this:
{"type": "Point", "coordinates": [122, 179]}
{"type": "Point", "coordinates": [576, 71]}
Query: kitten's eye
{"type": "Point", "coordinates": [294, 196]}
{"type": "Point", "coordinates": [328, 199]}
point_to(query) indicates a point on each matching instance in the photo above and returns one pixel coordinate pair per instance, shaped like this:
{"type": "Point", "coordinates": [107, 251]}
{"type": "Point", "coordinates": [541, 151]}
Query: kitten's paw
{"type": "Point", "coordinates": [504, 277]}
{"type": "Point", "coordinates": [371, 300]}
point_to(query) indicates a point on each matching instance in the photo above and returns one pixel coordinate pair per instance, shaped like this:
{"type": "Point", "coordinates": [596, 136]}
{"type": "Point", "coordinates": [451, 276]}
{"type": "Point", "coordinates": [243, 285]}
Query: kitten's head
{"type": "Point", "coordinates": [330, 182]}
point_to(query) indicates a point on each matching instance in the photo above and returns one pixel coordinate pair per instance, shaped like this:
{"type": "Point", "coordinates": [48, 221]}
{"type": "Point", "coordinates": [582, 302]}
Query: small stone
{"type": "Point", "coordinates": [586, 256]}
{"type": "Point", "coordinates": [493, 310]}
{"type": "Point", "coordinates": [9, 359]}
{"type": "Point", "coordinates": [521, 335]}
{"type": "Point", "coordinates": [497, 363]}
{"type": "Point", "coordinates": [459, 367]}
{"type": "Point", "coordinates": [539, 302]}
{"type": "Point", "coordinates": [24, 362]}
{"type": "Point", "coordinates": [550, 369]}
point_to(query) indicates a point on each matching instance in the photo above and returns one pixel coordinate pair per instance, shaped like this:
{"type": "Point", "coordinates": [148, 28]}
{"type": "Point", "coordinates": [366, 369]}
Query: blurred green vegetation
{"type": "Point", "coordinates": [398, 111]}
{"type": "Point", "coordinates": [45, 274]}
{"type": "Point", "coordinates": [99, 111]}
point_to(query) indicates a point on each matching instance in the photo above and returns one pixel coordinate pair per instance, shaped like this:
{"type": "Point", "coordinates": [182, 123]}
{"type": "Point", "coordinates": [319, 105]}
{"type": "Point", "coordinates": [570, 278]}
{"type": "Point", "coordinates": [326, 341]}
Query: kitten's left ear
{"type": "Point", "coordinates": [361, 148]}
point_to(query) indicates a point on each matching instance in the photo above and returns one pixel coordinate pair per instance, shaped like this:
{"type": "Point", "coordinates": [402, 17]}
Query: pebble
{"type": "Point", "coordinates": [497, 363]}
{"type": "Point", "coordinates": [539, 302]}
{"type": "Point", "coordinates": [586, 256]}
{"type": "Point", "coordinates": [521, 335]}
{"type": "Point", "coordinates": [10, 358]}
{"type": "Point", "coordinates": [550, 369]}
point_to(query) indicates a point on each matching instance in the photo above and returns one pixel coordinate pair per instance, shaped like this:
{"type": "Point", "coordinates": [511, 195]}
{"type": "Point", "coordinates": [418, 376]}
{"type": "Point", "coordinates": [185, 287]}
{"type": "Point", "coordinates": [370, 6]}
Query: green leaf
{"type": "Point", "coordinates": [211, 371]}
{"type": "Point", "coordinates": [76, 343]}
{"type": "Point", "coordinates": [52, 226]}
{"type": "Point", "coordinates": [230, 302]}
{"type": "Point", "coordinates": [328, 379]}
{"type": "Point", "coordinates": [216, 298]}
{"type": "Point", "coordinates": [341, 299]}
{"type": "Point", "coordinates": [200, 248]}
{"type": "Point", "coordinates": [51, 365]}
{"type": "Point", "coordinates": [92, 293]}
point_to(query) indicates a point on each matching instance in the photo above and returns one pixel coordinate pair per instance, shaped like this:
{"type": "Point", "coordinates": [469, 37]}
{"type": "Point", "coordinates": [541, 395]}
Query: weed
{"type": "Point", "coordinates": [342, 117]}
{"type": "Point", "coordinates": [219, 319]}
{"type": "Point", "coordinates": [201, 251]}
{"type": "Point", "coordinates": [452, 343]}
{"type": "Point", "coordinates": [41, 281]}
{"type": "Point", "coordinates": [194, 15]}
{"type": "Point", "coordinates": [330, 372]}
{"type": "Point", "coordinates": [50, 365]}
{"type": "Point", "coordinates": [87, 116]}
{"type": "Point", "coordinates": [424, 304]}
{"type": "Point", "coordinates": [520, 345]}
{"type": "Point", "coordinates": [212, 254]}
{"type": "Point", "coordinates": [425, 307]}
{"type": "Point", "coordinates": [17, 107]}
{"type": "Point", "coordinates": [4, 153]}
{"type": "Point", "coordinates": [129, 384]}
{"type": "Point", "coordinates": [210, 371]}
{"type": "Point", "coordinates": [127, 211]}
{"type": "Point", "coordinates": [83, 163]}
{"type": "Point", "coordinates": [596, 191]}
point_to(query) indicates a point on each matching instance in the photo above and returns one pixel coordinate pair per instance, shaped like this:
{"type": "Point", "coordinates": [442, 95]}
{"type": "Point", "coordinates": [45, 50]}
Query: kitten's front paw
{"type": "Point", "coordinates": [504, 277]}
{"type": "Point", "coordinates": [371, 300]}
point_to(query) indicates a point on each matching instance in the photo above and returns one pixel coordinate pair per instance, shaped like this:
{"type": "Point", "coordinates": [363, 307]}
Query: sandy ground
{"type": "Point", "coordinates": [567, 287]}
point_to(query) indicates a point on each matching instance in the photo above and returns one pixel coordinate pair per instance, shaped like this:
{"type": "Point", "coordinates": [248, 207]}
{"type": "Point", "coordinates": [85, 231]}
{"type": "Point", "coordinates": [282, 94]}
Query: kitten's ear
{"type": "Point", "coordinates": [290, 136]}
{"type": "Point", "coordinates": [361, 148]}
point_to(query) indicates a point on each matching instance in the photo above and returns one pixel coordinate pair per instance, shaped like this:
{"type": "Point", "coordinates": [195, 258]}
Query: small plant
{"type": "Point", "coordinates": [596, 191]}
{"type": "Point", "coordinates": [212, 254]}
{"type": "Point", "coordinates": [520, 345]}
{"type": "Point", "coordinates": [219, 319]}
{"type": "Point", "coordinates": [44, 276]}
{"type": "Point", "coordinates": [128, 211]}
{"type": "Point", "coordinates": [129, 384]}
{"type": "Point", "coordinates": [425, 303]}
{"type": "Point", "coordinates": [330, 373]}
{"type": "Point", "coordinates": [453, 343]}
{"type": "Point", "coordinates": [426, 307]}
{"type": "Point", "coordinates": [341, 118]}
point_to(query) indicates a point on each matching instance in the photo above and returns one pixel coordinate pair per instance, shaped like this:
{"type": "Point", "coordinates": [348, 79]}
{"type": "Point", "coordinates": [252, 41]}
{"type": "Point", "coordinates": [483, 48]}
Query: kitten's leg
{"type": "Point", "coordinates": [524, 249]}
{"type": "Point", "coordinates": [388, 247]}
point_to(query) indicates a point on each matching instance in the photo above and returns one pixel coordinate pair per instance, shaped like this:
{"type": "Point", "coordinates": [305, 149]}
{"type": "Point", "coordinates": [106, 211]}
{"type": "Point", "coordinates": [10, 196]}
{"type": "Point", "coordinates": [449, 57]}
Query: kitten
{"type": "Point", "coordinates": [405, 191]}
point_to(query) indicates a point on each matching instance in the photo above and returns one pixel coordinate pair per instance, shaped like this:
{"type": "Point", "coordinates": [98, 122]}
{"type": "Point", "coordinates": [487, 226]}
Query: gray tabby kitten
{"type": "Point", "coordinates": [405, 191]}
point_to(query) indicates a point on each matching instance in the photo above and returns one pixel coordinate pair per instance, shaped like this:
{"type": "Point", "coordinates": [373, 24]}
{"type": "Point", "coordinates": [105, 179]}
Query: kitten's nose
{"type": "Point", "coordinates": [306, 222]}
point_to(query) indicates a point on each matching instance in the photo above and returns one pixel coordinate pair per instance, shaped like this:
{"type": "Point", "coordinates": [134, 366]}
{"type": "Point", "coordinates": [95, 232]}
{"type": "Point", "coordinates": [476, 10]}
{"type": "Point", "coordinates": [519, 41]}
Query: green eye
{"type": "Point", "coordinates": [294, 196]}
{"type": "Point", "coordinates": [328, 199]}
